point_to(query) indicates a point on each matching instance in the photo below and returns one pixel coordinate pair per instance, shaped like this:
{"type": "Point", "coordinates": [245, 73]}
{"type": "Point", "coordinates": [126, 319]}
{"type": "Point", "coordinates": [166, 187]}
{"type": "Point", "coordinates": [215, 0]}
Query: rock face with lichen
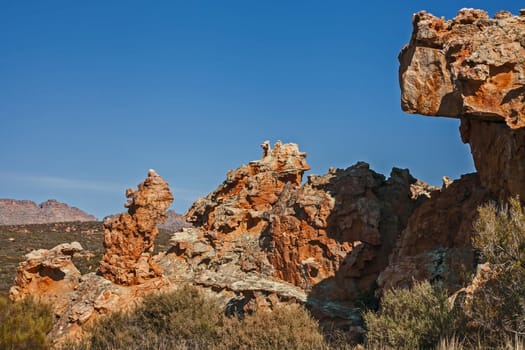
{"type": "Point", "coordinates": [436, 244]}
{"type": "Point", "coordinates": [330, 236]}
{"type": "Point", "coordinates": [471, 67]}
{"type": "Point", "coordinates": [333, 234]}
{"type": "Point", "coordinates": [238, 203]}
{"type": "Point", "coordinates": [129, 237]}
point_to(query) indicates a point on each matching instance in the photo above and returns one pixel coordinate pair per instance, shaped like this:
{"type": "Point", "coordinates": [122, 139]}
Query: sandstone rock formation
{"type": "Point", "coordinates": [333, 234]}
{"type": "Point", "coordinates": [49, 273]}
{"type": "Point", "coordinates": [436, 244]}
{"type": "Point", "coordinates": [330, 236]}
{"type": "Point", "coordinates": [76, 300]}
{"type": "Point", "coordinates": [21, 212]}
{"type": "Point", "coordinates": [473, 67]}
{"type": "Point", "coordinates": [129, 237]}
{"type": "Point", "coordinates": [239, 202]}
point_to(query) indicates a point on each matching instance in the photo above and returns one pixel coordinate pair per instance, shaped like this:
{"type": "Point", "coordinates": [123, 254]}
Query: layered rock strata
{"type": "Point", "coordinates": [129, 237]}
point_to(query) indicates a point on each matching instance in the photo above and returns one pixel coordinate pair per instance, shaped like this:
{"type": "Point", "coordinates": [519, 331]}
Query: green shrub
{"type": "Point", "coordinates": [498, 307]}
{"type": "Point", "coordinates": [185, 319]}
{"type": "Point", "coordinates": [287, 327]}
{"type": "Point", "coordinates": [179, 319]}
{"type": "Point", "coordinates": [24, 324]}
{"type": "Point", "coordinates": [410, 319]}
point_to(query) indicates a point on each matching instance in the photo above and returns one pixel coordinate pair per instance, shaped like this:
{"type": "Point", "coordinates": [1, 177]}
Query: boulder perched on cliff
{"type": "Point", "coordinates": [473, 67]}
{"type": "Point", "coordinates": [129, 237]}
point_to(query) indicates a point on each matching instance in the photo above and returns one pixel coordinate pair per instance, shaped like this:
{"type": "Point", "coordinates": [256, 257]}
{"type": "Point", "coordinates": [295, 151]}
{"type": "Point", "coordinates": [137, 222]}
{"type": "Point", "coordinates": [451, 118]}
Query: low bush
{"type": "Point", "coordinates": [24, 325]}
{"type": "Point", "coordinates": [498, 306]}
{"type": "Point", "coordinates": [185, 319]}
{"type": "Point", "coordinates": [288, 327]}
{"type": "Point", "coordinates": [179, 319]}
{"type": "Point", "coordinates": [410, 319]}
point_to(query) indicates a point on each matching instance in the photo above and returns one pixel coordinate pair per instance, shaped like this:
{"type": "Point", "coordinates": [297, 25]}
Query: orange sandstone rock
{"type": "Point", "coordinates": [471, 66]}
{"type": "Point", "coordinates": [330, 236]}
{"type": "Point", "coordinates": [129, 237]}
{"type": "Point", "coordinates": [47, 272]}
{"type": "Point", "coordinates": [333, 234]}
{"type": "Point", "coordinates": [436, 244]}
{"type": "Point", "coordinates": [238, 203]}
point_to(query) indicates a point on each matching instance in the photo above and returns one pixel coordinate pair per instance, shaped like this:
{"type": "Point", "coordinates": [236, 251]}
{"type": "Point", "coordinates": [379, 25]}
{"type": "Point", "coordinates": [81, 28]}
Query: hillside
{"type": "Point", "coordinates": [19, 212]}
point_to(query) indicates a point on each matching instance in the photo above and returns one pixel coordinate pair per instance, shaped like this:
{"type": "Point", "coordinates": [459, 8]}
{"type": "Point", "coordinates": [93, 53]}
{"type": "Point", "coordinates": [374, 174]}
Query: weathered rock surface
{"type": "Point", "coordinates": [436, 244]}
{"type": "Point", "coordinates": [499, 156]}
{"type": "Point", "coordinates": [129, 237]}
{"type": "Point", "coordinates": [330, 236]}
{"type": "Point", "coordinates": [238, 203]}
{"type": "Point", "coordinates": [333, 234]}
{"type": "Point", "coordinates": [22, 212]}
{"type": "Point", "coordinates": [49, 273]}
{"type": "Point", "coordinates": [471, 65]}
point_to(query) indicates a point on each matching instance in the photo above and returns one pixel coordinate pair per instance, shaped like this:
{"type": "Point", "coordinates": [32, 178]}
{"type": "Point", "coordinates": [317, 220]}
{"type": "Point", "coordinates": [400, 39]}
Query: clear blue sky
{"type": "Point", "coordinates": [94, 93]}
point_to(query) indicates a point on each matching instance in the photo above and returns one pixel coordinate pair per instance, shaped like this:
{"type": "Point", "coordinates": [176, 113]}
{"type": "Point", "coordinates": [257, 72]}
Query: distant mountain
{"type": "Point", "coordinates": [19, 212]}
{"type": "Point", "coordinates": [175, 222]}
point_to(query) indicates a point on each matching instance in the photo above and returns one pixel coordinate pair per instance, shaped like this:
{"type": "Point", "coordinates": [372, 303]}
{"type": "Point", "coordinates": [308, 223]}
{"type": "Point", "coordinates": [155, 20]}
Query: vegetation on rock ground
{"type": "Point", "coordinates": [24, 325]}
{"type": "Point", "coordinates": [495, 315]}
{"type": "Point", "coordinates": [185, 319]}
{"type": "Point", "coordinates": [498, 308]}
{"type": "Point", "coordinates": [410, 319]}
{"type": "Point", "coordinates": [416, 318]}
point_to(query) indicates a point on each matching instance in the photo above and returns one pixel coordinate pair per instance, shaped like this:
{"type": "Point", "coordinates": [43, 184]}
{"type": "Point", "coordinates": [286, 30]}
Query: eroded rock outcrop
{"type": "Point", "coordinates": [238, 203]}
{"type": "Point", "coordinates": [48, 273]}
{"type": "Point", "coordinates": [333, 234]}
{"type": "Point", "coordinates": [330, 236]}
{"type": "Point", "coordinates": [129, 237]}
{"type": "Point", "coordinates": [471, 65]}
{"type": "Point", "coordinates": [436, 244]}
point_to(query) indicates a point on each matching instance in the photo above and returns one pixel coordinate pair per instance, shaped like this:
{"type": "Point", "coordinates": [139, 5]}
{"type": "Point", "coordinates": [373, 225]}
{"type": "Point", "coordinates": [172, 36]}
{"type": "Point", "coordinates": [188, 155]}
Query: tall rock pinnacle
{"type": "Point", "coordinates": [129, 237]}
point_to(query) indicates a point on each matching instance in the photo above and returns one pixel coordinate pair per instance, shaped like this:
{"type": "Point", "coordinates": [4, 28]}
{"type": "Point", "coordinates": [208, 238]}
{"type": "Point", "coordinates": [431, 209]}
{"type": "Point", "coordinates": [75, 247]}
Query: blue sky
{"type": "Point", "coordinates": [94, 93]}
